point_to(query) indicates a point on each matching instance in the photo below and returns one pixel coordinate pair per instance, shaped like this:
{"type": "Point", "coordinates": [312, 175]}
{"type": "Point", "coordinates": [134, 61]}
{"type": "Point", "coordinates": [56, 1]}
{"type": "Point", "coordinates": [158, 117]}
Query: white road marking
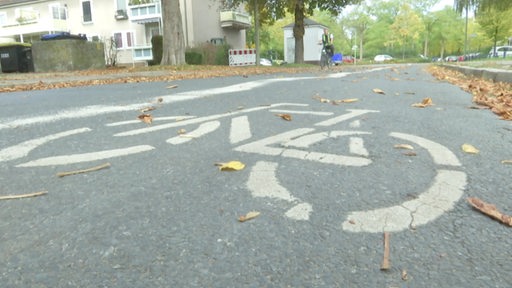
{"type": "Point", "coordinates": [203, 129]}
{"type": "Point", "coordinates": [155, 119]}
{"type": "Point", "coordinates": [300, 211]}
{"type": "Point", "coordinates": [302, 112]}
{"type": "Point", "coordinates": [263, 182]}
{"type": "Point", "coordinates": [446, 190]}
{"type": "Point", "coordinates": [240, 129]}
{"type": "Point", "coordinates": [344, 117]}
{"type": "Point", "coordinates": [355, 124]}
{"type": "Point", "coordinates": [86, 157]}
{"type": "Point", "coordinates": [94, 110]}
{"type": "Point", "coordinates": [22, 149]}
{"type": "Point", "coordinates": [263, 147]}
{"type": "Point", "coordinates": [356, 146]}
{"type": "Point", "coordinates": [440, 154]}
{"type": "Point", "coordinates": [201, 119]}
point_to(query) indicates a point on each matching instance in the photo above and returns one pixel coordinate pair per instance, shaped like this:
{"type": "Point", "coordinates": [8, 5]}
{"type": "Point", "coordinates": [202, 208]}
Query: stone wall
{"type": "Point", "coordinates": [67, 55]}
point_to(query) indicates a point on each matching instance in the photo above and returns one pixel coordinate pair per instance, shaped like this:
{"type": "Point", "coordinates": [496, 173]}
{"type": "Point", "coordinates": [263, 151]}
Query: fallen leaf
{"type": "Point", "coordinates": [160, 99]}
{"type": "Point", "coordinates": [411, 153]}
{"type": "Point", "coordinates": [506, 161]}
{"type": "Point", "coordinates": [286, 117]}
{"type": "Point", "coordinates": [424, 103]}
{"type": "Point", "coordinates": [147, 109]}
{"type": "Point", "coordinates": [378, 91]}
{"type": "Point", "coordinates": [349, 100]}
{"type": "Point", "coordinates": [468, 148]}
{"type": "Point", "coordinates": [172, 86]}
{"type": "Point", "coordinates": [490, 210]}
{"type": "Point", "coordinates": [146, 118]}
{"type": "Point", "coordinates": [231, 166]}
{"type": "Point", "coordinates": [404, 275]}
{"type": "Point", "coordinates": [404, 146]}
{"type": "Point", "coordinates": [249, 216]}
{"type": "Point", "coordinates": [182, 131]}
{"type": "Point", "coordinates": [321, 99]}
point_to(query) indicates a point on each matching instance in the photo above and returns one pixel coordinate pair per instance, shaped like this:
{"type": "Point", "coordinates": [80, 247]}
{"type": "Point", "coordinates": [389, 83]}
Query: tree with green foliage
{"type": "Point", "coordinates": [407, 28]}
{"type": "Point", "coordinates": [300, 9]}
{"type": "Point", "coordinates": [447, 31]}
{"type": "Point", "coordinates": [358, 22]}
{"type": "Point", "coordinates": [497, 25]}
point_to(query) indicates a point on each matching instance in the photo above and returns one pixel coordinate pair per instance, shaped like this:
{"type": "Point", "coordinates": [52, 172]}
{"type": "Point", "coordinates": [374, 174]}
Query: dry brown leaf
{"type": "Point", "coordinates": [248, 216]}
{"type": "Point", "coordinates": [404, 275]}
{"type": "Point", "coordinates": [411, 153]}
{"type": "Point", "coordinates": [286, 117]}
{"type": "Point", "coordinates": [321, 99]}
{"type": "Point", "coordinates": [172, 86]}
{"type": "Point", "coordinates": [404, 146]}
{"type": "Point", "coordinates": [490, 210]}
{"type": "Point", "coordinates": [378, 91]}
{"type": "Point", "coordinates": [506, 161]}
{"type": "Point", "coordinates": [424, 103]}
{"type": "Point", "coordinates": [146, 118]}
{"type": "Point", "coordinates": [147, 109]}
{"type": "Point", "coordinates": [182, 131]}
{"type": "Point", "coordinates": [348, 100]}
{"type": "Point", "coordinates": [468, 148]}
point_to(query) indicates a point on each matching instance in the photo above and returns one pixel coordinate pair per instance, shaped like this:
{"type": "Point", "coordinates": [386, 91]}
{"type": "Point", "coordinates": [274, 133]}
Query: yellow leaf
{"type": "Point", "coordinates": [321, 99]}
{"type": "Point", "coordinates": [286, 117]}
{"type": "Point", "coordinates": [249, 216]}
{"type": "Point", "coordinates": [404, 146]}
{"type": "Point", "coordinates": [469, 149]}
{"type": "Point", "coordinates": [378, 91]}
{"type": "Point", "coordinates": [231, 166]}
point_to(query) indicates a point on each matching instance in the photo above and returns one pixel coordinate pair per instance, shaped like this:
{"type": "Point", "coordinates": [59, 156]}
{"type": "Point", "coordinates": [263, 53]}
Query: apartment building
{"type": "Point", "coordinates": [130, 23]}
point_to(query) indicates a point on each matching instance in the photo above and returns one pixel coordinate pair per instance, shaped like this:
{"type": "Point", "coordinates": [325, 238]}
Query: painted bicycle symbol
{"type": "Point", "coordinates": [445, 190]}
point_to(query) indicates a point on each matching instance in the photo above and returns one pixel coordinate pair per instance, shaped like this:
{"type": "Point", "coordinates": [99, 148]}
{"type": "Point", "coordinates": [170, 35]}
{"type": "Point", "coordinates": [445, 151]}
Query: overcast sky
{"type": "Point", "coordinates": [441, 5]}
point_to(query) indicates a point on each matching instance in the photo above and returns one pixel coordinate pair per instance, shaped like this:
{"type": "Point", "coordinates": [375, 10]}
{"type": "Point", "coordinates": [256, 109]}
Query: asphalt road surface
{"type": "Point", "coordinates": [330, 164]}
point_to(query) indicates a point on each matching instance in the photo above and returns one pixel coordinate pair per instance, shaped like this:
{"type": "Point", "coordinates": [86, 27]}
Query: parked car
{"type": "Point", "coordinates": [348, 59]}
{"type": "Point", "coordinates": [451, 58]}
{"type": "Point", "coordinates": [501, 51]}
{"type": "Point", "coordinates": [382, 58]}
{"type": "Point", "coordinates": [265, 62]}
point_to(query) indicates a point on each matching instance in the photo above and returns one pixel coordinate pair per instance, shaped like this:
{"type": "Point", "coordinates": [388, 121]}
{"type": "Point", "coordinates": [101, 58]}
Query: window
{"type": "Point", "coordinates": [86, 11]}
{"type": "Point", "coordinates": [124, 40]}
{"type": "Point", "coordinates": [3, 18]}
{"type": "Point", "coordinates": [58, 12]}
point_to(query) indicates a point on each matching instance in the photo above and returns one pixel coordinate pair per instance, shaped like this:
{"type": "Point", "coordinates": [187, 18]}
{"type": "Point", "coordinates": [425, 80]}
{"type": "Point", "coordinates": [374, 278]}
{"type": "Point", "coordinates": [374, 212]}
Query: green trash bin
{"type": "Point", "coordinates": [16, 57]}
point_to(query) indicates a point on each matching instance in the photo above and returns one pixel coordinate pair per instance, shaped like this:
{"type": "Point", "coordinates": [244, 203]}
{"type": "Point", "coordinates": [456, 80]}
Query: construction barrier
{"type": "Point", "coordinates": [242, 57]}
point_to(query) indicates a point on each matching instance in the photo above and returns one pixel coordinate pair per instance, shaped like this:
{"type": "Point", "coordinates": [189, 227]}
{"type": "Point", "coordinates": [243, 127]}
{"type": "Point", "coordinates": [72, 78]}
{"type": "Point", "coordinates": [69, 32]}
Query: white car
{"type": "Point", "coordinates": [382, 58]}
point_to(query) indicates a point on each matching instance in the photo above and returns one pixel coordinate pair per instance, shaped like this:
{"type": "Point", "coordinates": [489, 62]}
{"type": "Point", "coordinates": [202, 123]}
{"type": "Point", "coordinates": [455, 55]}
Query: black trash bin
{"type": "Point", "coordinates": [16, 57]}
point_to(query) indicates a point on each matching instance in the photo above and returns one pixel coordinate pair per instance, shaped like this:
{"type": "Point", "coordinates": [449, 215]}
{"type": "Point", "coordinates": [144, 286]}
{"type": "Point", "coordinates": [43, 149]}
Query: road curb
{"type": "Point", "coordinates": [495, 75]}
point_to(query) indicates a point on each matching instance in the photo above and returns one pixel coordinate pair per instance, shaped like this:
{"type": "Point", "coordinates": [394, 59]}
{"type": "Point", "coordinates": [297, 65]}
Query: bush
{"type": "Point", "coordinates": [222, 55]}
{"type": "Point", "coordinates": [193, 58]}
{"type": "Point", "coordinates": [157, 49]}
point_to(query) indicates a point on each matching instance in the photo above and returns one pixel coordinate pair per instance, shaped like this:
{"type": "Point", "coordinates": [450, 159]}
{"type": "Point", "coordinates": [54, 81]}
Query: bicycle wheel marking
{"type": "Point", "coordinates": [86, 157]}
{"type": "Point", "coordinates": [263, 182]}
{"type": "Point", "coordinates": [446, 190]}
{"type": "Point", "coordinates": [23, 149]}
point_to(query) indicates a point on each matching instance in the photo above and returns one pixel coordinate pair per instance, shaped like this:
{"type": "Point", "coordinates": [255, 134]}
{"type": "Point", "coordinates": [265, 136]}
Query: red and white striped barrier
{"type": "Point", "coordinates": [242, 57]}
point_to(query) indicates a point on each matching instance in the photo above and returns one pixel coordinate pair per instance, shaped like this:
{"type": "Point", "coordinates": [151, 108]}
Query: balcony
{"type": "Point", "coordinates": [235, 20]}
{"type": "Point", "coordinates": [145, 11]}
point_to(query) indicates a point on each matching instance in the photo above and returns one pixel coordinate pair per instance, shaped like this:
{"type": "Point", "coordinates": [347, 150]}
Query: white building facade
{"type": "Point", "coordinates": [130, 23]}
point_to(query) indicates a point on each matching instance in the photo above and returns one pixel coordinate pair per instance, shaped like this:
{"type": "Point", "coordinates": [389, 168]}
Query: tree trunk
{"type": "Point", "coordinates": [298, 31]}
{"type": "Point", "coordinates": [173, 40]}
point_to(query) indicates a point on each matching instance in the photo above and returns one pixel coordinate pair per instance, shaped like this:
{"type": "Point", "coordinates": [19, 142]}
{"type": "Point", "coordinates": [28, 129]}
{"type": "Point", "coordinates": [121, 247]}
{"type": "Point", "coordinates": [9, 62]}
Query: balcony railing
{"type": "Point", "coordinates": [235, 20]}
{"type": "Point", "coordinates": [145, 11]}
